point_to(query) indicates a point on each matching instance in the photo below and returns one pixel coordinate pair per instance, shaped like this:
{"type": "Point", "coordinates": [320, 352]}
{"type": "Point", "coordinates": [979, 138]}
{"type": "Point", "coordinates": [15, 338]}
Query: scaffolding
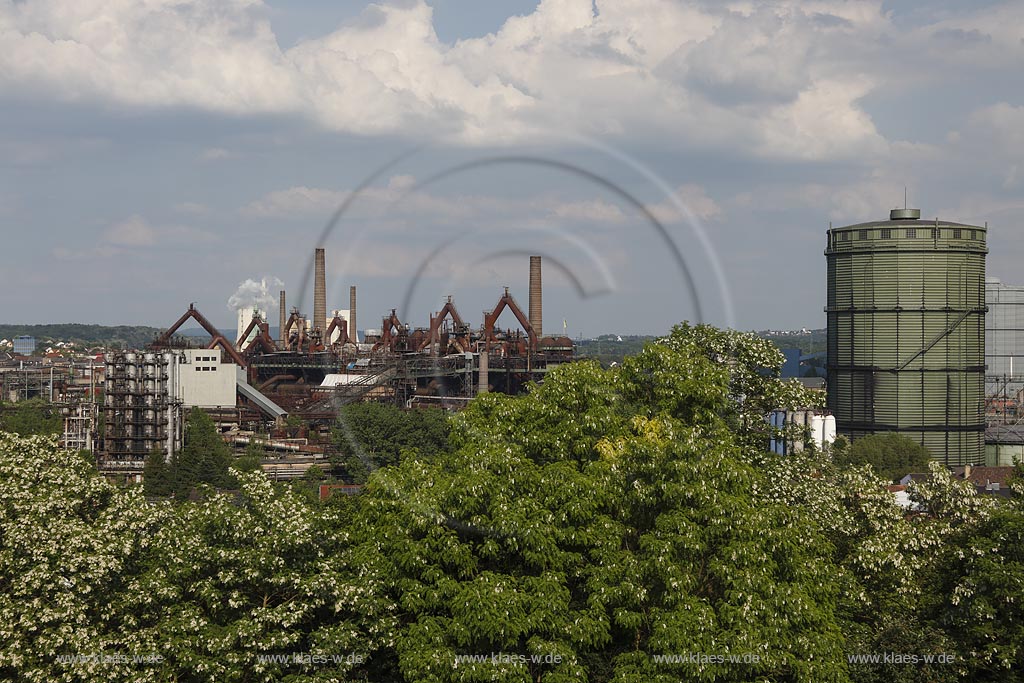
{"type": "Point", "coordinates": [79, 425]}
{"type": "Point", "coordinates": [143, 414]}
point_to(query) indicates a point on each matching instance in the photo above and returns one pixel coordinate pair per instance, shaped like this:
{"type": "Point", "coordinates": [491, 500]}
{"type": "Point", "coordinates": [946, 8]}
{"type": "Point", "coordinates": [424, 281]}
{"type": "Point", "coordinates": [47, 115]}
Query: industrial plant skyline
{"type": "Point", "coordinates": [670, 160]}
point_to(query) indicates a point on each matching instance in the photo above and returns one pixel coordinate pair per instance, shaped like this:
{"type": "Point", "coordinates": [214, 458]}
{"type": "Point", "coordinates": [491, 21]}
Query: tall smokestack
{"type": "Point", "coordinates": [536, 298]}
{"type": "Point", "coordinates": [282, 317]}
{"type": "Point", "coordinates": [320, 291]}
{"type": "Point", "coordinates": [352, 314]}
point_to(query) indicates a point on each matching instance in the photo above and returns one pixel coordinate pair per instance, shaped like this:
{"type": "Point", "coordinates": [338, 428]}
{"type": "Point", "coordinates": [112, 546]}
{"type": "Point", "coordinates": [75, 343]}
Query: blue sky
{"type": "Point", "coordinates": [158, 153]}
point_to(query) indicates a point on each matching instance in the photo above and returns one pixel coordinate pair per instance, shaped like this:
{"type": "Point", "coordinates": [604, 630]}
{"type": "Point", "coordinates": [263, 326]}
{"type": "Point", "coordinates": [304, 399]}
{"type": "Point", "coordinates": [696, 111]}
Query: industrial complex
{"type": "Point", "coordinates": [919, 342]}
{"type": "Point", "coordinates": [250, 381]}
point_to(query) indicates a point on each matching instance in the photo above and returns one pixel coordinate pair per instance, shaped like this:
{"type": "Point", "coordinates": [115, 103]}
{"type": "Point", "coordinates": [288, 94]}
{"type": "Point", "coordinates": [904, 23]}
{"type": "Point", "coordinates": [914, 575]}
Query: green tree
{"type": "Point", "coordinates": [211, 587]}
{"type": "Point", "coordinates": [880, 556]}
{"type": "Point", "coordinates": [33, 417]}
{"type": "Point", "coordinates": [233, 579]}
{"type": "Point", "coordinates": [608, 517]}
{"type": "Point", "coordinates": [891, 455]}
{"type": "Point", "coordinates": [977, 596]}
{"type": "Point", "coordinates": [156, 475]}
{"type": "Point", "coordinates": [70, 542]}
{"type": "Point", "coordinates": [204, 458]}
{"type": "Point", "coordinates": [373, 435]}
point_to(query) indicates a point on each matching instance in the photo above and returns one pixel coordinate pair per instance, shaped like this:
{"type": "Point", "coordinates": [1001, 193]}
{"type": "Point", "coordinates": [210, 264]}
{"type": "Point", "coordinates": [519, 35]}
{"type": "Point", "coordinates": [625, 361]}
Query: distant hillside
{"type": "Point", "coordinates": [812, 341]}
{"type": "Point", "coordinates": [127, 336]}
{"type": "Point", "coordinates": [118, 336]}
{"type": "Point", "coordinates": [611, 348]}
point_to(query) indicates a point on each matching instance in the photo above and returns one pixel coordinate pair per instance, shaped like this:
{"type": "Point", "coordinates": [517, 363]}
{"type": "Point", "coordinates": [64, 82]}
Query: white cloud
{"type": "Point", "coordinates": [779, 81]}
{"type": "Point", "coordinates": [1001, 126]}
{"type": "Point", "coordinates": [131, 232]}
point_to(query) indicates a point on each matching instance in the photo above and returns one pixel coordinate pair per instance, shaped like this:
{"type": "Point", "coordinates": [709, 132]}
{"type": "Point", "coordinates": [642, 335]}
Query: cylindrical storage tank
{"type": "Point", "coordinates": [818, 430]}
{"type": "Point", "coordinates": [906, 339]}
{"type": "Point", "coordinates": [829, 434]}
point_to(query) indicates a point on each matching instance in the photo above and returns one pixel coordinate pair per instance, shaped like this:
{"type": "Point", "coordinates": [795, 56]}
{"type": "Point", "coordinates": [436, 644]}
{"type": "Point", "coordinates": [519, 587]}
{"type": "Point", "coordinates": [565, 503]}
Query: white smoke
{"type": "Point", "coordinates": [256, 294]}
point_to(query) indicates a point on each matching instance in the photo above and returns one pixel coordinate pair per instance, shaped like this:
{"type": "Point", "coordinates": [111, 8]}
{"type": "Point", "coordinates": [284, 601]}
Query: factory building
{"type": "Point", "coordinates": [796, 430]}
{"type": "Point", "coordinates": [1004, 372]}
{"type": "Point", "coordinates": [142, 409]}
{"type": "Point", "coordinates": [205, 380]}
{"type": "Point", "coordinates": [906, 330]}
{"type": "Point", "coordinates": [24, 345]}
{"type": "Point", "coordinates": [337, 333]}
{"type": "Point", "coordinates": [1004, 337]}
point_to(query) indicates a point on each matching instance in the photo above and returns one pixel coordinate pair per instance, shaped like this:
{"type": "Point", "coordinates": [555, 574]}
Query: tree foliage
{"type": "Point", "coordinates": [369, 436]}
{"type": "Point", "coordinates": [601, 523]}
{"type": "Point", "coordinates": [891, 455]}
{"type": "Point", "coordinates": [33, 417]}
{"type": "Point", "coordinates": [156, 475]}
{"type": "Point", "coordinates": [607, 518]}
{"type": "Point", "coordinates": [203, 459]}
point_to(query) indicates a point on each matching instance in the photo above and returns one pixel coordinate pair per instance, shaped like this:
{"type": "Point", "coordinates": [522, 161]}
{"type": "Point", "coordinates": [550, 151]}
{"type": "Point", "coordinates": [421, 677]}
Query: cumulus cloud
{"type": "Point", "coordinates": [784, 80]}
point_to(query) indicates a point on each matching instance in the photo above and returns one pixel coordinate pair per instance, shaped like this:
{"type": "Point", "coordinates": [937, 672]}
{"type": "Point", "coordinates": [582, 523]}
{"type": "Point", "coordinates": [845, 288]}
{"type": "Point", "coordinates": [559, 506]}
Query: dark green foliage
{"type": "Point", "coordinates": [204, 459]}
{"type": "Point", "coordinates": [609, 517]}
{"type": "Point", "coordinates": [977, 596]}
{"type": "Point", "coordinates": [156, 475]}
{"type": "Point", "coordinates": [34, 417]}
{"type": "Point", "coordinates": [891, 455]}
{"type": "Point", "coordinates": [374, 435]}
{"type": "Point", "coordinates": [247, 463]}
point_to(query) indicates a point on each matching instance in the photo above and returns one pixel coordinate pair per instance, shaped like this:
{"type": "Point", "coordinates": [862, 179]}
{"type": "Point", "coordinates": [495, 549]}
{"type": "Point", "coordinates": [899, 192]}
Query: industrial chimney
{"type": "Point", "coordinates": [320, 291]}
{"type": "Point", "coordinates": [536, 297]}
{"type": "Point", "coordinates": [352, 334]}
{"type": "Point", "coordinates": [283, 318]}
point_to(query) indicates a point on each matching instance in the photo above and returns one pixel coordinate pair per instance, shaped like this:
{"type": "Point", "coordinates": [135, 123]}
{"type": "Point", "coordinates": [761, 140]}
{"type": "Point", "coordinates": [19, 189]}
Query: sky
{"type": "Point", "coordinates": [669, 160]}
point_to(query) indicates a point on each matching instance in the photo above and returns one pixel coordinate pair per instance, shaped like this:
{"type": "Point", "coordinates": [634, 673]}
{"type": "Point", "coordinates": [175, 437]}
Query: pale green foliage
{"type": "Point", "coordinates": [951, 502]}
{"type": "Point", "coordinates": [877, 548]}
{"type": "Point", "coordinates": [90, 569]}
{"type": "Point", "coordinates": [248, 576]}
{"type": "Point", "coordinates": [68, 541]}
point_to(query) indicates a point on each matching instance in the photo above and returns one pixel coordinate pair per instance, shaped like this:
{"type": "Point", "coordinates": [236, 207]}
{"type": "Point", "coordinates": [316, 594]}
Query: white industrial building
{"type": "Point", "coordinates": [205, 381]}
